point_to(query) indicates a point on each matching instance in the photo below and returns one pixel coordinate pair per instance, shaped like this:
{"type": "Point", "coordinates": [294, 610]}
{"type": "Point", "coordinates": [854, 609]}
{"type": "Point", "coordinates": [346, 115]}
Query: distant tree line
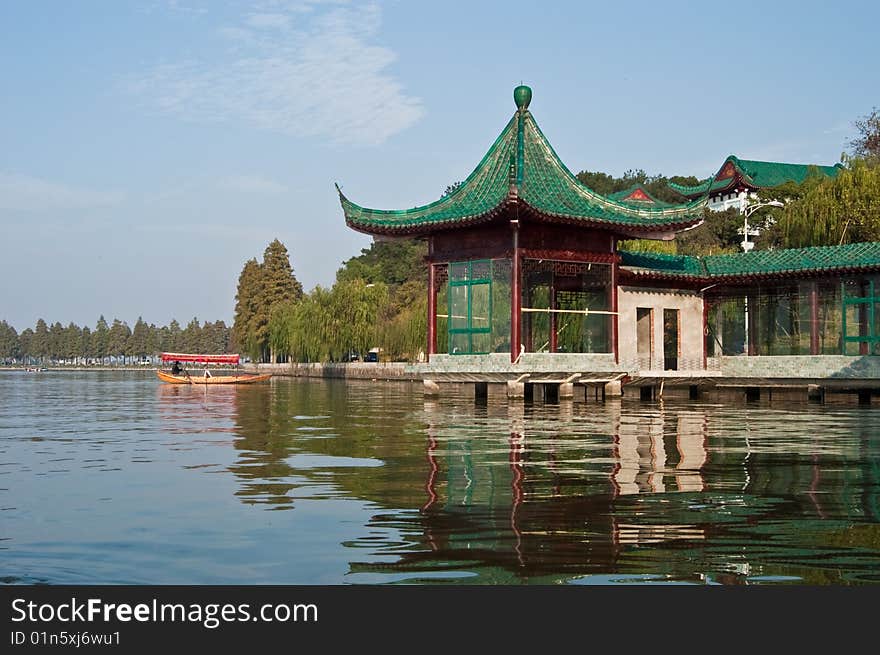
{"type": "Point", "coordinates": [115, 343]}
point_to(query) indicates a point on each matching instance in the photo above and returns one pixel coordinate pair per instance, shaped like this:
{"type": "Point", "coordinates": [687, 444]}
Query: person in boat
{"type": "Point", "coordinates": [176, 369]}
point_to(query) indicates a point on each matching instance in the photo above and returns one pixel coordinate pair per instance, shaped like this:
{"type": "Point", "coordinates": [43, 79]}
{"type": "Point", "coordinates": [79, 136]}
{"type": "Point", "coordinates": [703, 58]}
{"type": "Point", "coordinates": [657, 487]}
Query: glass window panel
{"type": "Point", "coordinates": [458, 307]}
{"type": "Point", "coordinates": [501, 271]}
{"type": "Point", "coordinates": [481, 270]}
{"type": "Point", "coordinates": [854, 326]}
{"type": "Point", "coordinates": [458, 271]}
{"type": "Point", "coordinates": [459, 343]}
{"type": "Point", "coordinates": [479, 306]}
{"type": "Point", "coordinates": [480, 342]}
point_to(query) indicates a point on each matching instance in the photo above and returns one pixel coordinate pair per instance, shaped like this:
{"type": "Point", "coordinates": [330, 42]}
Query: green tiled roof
{"type": "Point", "coordinates": [698, 189]}
{"type": "Point", "coordinates": [521, 166]}
{"type": "Point", "coordinates": [648, 201]}
{"type": "Point", "coordinates": [852, 256]}
{"type": "Point", "coordinates": [653, 262]}
{"type": "Point", "coordinates": [759, 174]}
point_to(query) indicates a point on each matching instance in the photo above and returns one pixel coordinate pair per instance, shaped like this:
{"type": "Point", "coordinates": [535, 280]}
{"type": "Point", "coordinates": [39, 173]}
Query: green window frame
{"type": "Point", "coordinates": [459, 334]}
{"type": "Point", "coordinates": [869, 301]}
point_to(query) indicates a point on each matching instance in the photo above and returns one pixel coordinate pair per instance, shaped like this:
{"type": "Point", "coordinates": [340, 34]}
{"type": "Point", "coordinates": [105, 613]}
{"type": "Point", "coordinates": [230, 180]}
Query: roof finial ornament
{"type": "Point", "coordinates": [522, 96]}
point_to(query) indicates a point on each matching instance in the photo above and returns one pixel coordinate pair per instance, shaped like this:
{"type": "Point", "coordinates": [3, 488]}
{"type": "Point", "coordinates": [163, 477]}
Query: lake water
{"type": "Point", "coordinates": [114, 477]}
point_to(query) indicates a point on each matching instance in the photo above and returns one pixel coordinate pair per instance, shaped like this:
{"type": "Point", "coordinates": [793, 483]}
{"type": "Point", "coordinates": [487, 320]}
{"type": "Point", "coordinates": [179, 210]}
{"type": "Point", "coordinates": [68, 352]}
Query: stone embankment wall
{"type": "Point", "coordinates": [353, 370]}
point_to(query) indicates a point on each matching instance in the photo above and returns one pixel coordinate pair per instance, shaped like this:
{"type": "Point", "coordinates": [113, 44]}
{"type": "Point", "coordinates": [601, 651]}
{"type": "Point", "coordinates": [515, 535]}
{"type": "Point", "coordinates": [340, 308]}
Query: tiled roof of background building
{"type": "Point", "coordinates": [854, 256]}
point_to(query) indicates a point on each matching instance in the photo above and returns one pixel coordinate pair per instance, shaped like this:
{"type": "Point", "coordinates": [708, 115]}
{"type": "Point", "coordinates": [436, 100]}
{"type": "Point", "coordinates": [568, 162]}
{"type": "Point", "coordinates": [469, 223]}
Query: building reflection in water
{"type": "Point", "coordinates": [651, 459]}
{"type": "Point", "coordinates": [539, 493]}
{"type": "Point", "coordinates": [550, 504]}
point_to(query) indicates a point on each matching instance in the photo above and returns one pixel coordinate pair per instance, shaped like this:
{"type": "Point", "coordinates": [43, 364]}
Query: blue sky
{"type": "Point", "coordinates": [149, 148]}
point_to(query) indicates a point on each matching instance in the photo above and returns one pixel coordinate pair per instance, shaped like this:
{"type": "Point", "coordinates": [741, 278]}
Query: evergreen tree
{"type": "Point", "coordinates": [40, 343]}
{"type": "Point", "coordinates": [173, 337]}
{"type": "Point", "coordinates": [10, 348]}
{"type": "Point", "coordinates": [154, 340]}
{"type": "Point", "coordinates": [192, 337]}
{"type": "Point", "coordinates": [100, 339]}
{"type": "Point", "coordinates": [278, 286]}
{"type": "Point", "coordinates": [247, 300]}
{"type": "Point", "coordinates": [57, 346]}
{"type": "Point", "coordinates": [85, 343]}
{"type": "Point", "coordinates": [117, 339]}
{"type": "Point", "coordinates": [138, 345]}
{"type": "Point", "coordinates": [25, 345]}
{"type": "Point", "coordinates": [72, 342]}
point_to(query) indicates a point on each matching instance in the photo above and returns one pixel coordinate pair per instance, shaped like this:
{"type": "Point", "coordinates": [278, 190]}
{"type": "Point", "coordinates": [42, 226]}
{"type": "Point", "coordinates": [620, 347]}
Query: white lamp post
{"type": "Point", "coordinates": [749, 210]}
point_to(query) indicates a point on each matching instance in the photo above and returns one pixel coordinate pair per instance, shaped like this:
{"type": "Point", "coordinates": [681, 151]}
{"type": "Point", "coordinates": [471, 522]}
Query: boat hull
{"type": "Point", "coordinates": [217, 379]}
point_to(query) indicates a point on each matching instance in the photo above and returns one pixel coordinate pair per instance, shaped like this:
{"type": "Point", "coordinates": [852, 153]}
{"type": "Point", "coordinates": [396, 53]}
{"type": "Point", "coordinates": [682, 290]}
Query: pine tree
{"type": "Point", "coordinates": [139, 337]}
{"type": "Point", "coordinates": [100, 339]}
{"type": "Point", "coordinates": [279, 286]}
{"type": "Point", "coordinates": [9, 345]}
{"type": "Point", "coordinates": [247, 300]}
{"type": "Point", "coordinates": [56, 341]}
{"type": "Point", "coordinates": [85, 343]}
{"type": "Point", "coordinates": [72, 342]}
{"type": "Point", "coordinates": [25, 344]}
{"type": "Point", "coordinates": [117, 339]}
{"type": "Point", "coordinates": [40, 343]}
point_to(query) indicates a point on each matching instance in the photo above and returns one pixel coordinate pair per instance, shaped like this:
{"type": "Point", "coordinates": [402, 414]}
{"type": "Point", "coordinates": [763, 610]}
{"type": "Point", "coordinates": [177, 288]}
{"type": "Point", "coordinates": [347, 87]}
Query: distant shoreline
{"type": "Point", "coordinates": [7, 367]}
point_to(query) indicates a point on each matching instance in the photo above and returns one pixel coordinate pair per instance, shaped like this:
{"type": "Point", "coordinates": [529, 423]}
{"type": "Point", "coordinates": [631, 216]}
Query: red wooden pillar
{"type": "Point", "coordinates": [432, 310]}
{"type": "Point", "coordinates": [814, 318]}
{"type": "Point", "coordinates": [752, 323]}
{"type": "Point", "coordinates": [553, 335]}
{"type": "Point", "coordinates": [705, 331]}
{"type": "Point", "coordinates": [515, 296]}
{"type": "Point", "coordinates": [613, 305]}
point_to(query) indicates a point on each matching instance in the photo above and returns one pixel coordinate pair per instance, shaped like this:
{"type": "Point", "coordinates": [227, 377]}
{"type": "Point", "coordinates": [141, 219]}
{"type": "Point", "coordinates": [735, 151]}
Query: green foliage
{"type": "Point", "coordinates": [649, 245]}
{"type": "Point", "coordinates": [720, 232]}
{"type": "Point", "coordinates": [656, 185]}
{"type": "Point", "coordinates": [327, 324]}
{"type": "Point", "coordinates": [391, 262]}
{"type": "Point", "coordinates": [261, 288]}
{"type": "Point", "coordinates": [9, 344]}
{"type": "Point", "coordinates": [845, 209]}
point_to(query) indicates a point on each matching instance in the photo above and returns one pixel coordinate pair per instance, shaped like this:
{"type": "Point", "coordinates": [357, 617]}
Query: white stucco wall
{"type": "Point", "coordinates": [690, 306]}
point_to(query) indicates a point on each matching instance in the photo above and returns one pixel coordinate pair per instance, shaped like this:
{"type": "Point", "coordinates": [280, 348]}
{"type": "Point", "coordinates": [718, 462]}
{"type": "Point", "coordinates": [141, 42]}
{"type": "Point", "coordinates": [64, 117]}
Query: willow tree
{"type": "Point", "coordinates": [327, 324]}
{"type": "Point", "coordinates": [356, 307]}
{"type": "Point", "coordinates": [842, 210]}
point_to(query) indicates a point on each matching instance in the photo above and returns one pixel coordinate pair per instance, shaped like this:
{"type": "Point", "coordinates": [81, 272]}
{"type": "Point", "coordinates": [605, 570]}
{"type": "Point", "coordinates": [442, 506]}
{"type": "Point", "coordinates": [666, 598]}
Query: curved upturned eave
{"type": "Point", "coordinates": [486, 191]}
{"type": "Point", "coordinates": [417, 227]}
{"type": "Point", "coordinates": [421, 227]}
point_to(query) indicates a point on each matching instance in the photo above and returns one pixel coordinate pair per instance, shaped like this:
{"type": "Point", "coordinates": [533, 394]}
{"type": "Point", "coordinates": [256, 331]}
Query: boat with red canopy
{"type": "Point", "coordinates": [179, 375]}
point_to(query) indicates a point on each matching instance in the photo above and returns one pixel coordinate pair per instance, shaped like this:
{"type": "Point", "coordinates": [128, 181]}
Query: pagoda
{"type": "Point", "coordinates": [522, 257]}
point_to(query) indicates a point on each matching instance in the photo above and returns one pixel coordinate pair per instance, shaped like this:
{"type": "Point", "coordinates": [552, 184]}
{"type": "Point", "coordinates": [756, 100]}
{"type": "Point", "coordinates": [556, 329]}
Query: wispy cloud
{"type": "Point", "coordinates": [25, 193]}
{"type": "Point", "coordinates": [253, 184]}
{"type": "Point", "coordinates": [305, 69]}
